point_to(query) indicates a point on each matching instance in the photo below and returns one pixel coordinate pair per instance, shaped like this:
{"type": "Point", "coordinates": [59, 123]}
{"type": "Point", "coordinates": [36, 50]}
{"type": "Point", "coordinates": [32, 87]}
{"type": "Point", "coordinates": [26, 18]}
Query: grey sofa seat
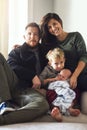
{"type": "Point", "coordinates": [82, 118]}
{"type": "Point", "coordinates": [45, 126]}
{"type": "Point", "coordinates": [46, 122]}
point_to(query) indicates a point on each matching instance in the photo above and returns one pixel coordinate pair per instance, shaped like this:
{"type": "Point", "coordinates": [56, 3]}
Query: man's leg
{"type": "Point", "coordinates": [33, 105]}
{"type": "Point", "coordinates": [8, 80]}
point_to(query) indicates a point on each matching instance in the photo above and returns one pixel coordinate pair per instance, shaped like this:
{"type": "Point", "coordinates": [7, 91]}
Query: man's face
{"type": "Point", "coordinates": [32, 36]}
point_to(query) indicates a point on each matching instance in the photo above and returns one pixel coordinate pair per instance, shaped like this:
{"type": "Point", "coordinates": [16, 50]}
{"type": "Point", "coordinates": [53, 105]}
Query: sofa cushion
{"type": "Point", "coordinates": [84, 103]}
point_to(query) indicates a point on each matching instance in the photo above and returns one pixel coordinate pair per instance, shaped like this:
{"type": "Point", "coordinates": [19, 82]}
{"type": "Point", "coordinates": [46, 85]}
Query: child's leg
{"type": "Point", "coordinates": [55, 113]}
{"type": "Point", "coordinates": [72, 111]}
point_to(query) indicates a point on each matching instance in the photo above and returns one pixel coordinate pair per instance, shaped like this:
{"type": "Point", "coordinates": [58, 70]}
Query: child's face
{"type": "Point", "coordinates": [32, 36]}
{"type": "Point", "coordinates": [64, 74]}
{"type": "Point", "coordinates": [58, 64]}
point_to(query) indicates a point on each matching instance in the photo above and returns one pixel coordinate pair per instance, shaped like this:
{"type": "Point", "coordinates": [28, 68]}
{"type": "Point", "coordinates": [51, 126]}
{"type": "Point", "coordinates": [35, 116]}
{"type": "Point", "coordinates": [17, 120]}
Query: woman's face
{"type": "Point", "coordinates": [54, 27]}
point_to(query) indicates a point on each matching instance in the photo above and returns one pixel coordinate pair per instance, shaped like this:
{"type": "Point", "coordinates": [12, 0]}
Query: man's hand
{"type": "Point", "coordinates": [36, 82]}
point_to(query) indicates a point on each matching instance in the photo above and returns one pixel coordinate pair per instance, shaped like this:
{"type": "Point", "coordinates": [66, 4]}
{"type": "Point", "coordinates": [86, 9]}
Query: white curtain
{"type": "Point", "coordinates": [4, 27]}
{"type": "Point", "coordinates": [13, 19]}
{"type": "Point", "coordinates": [18, 18]}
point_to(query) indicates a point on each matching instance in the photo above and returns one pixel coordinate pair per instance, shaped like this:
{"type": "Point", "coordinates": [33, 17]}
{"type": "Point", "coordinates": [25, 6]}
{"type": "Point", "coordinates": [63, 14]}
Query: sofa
{"type": "Point", "coordinates": [46, 122]}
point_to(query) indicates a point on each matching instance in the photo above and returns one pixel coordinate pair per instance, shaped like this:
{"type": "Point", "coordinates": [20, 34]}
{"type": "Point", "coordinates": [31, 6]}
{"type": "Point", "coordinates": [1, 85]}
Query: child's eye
{"type": "Point", "coordinates": [55, 63]}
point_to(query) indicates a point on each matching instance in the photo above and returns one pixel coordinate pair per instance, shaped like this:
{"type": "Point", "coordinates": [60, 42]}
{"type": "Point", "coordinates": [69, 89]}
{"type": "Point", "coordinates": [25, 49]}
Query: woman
{"type": "Point", "coordinates": [73, 45]}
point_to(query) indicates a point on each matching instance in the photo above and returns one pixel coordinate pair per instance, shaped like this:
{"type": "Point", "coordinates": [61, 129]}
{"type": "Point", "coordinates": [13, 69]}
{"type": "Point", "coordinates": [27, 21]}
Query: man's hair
{"type": "Point", "coordinates": [33, 24]}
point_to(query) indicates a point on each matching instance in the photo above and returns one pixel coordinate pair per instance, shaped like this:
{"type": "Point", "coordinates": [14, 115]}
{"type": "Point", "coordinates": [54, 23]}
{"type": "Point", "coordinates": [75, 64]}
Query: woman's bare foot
{"type": "Point", "coordinates": [74, 112]}
{"type": "Point", "coordinates": [55, 113]}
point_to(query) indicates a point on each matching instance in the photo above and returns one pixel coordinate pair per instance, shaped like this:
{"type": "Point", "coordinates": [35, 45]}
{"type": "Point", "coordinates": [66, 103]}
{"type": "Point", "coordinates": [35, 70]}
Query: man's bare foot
{"type": "Point", "coordinates": [55, 113]}
{"type": "Point", "coordinates": [74, 112]}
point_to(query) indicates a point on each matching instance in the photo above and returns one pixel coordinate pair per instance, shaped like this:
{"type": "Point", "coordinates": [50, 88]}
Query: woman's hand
{"type": "Point", "coordinates": [36, 82]}
{"type": "Point", "coordinates": [73, 81]}
{"type": "Point", "coordinates": [78, 70]}
{"type": "Point", "coordinates": [16, 46]}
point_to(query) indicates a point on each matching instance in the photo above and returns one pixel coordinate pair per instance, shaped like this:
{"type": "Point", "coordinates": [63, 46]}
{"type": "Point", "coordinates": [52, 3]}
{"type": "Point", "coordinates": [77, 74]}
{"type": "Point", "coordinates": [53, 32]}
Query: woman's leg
{"type": "Point", "coordinates": [82, 85]}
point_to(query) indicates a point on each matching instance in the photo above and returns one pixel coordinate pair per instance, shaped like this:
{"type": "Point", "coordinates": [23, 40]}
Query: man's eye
{"type": "Point", "coordinates": [36, 34]}
{"type": "Point", "coordinates": [29, 33]}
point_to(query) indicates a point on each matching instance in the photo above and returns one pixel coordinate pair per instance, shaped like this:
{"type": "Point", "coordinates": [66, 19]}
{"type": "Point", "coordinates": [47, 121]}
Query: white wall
{"type": "Point", "coordinates": [38, 8]}
{"type": "Point", "coordinates": [73, 14]}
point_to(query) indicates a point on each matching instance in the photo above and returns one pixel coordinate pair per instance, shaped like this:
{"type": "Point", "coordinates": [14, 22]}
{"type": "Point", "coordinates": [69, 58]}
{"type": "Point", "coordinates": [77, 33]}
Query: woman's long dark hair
{"type": "Point", "coordinates": [46, 37]}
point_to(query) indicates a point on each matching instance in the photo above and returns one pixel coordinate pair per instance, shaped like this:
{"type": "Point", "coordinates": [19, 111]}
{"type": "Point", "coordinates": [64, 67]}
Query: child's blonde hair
{"type": "Point", "coordinates": [55, 53]}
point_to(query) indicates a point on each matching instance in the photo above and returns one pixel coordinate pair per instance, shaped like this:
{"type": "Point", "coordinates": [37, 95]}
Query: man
{"type": "Point", "coordinates": [24, 62]}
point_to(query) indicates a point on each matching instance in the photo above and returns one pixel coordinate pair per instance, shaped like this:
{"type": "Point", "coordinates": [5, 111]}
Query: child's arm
{"type": "Point", "coordinates": [44, 76]}
{"type": "Point", "coordinates": [46, 81]}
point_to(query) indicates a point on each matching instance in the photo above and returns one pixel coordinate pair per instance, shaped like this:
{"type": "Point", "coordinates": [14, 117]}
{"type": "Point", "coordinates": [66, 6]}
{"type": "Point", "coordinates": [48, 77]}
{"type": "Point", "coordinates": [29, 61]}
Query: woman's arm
{"type": "Point", "coordinates": [73, 80]}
